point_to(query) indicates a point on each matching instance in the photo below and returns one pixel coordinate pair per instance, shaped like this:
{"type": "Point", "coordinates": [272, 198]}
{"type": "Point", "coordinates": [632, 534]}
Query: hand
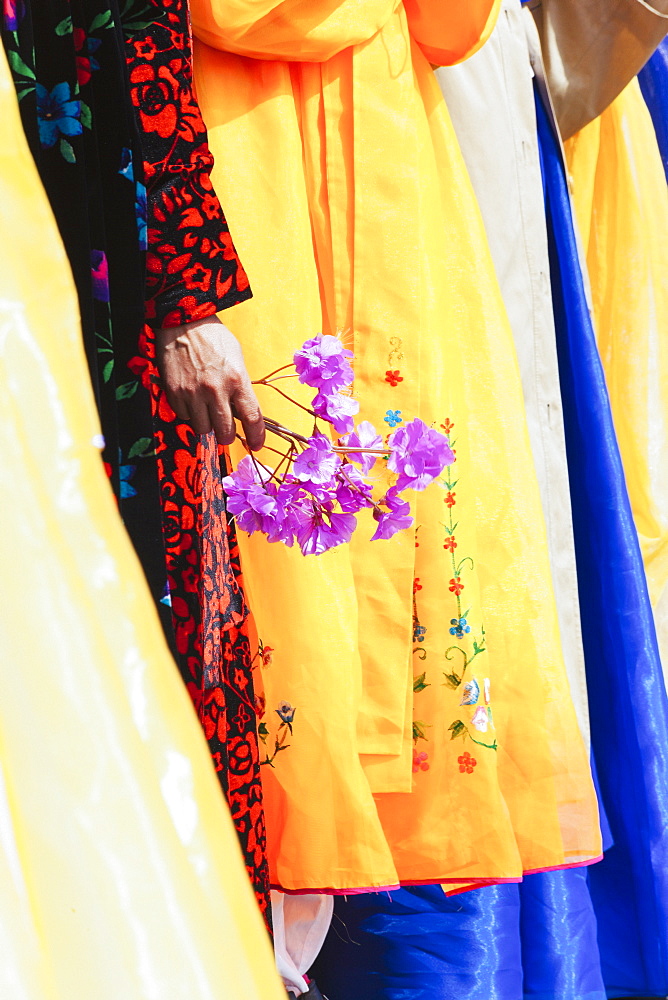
{"type": "Point", "coordinates": [206, 382]}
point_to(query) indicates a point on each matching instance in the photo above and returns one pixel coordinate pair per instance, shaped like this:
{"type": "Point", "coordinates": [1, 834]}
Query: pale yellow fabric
{"type": "Point", "coordinates": [120, 874]}
{"type": "Point", "coordinates": [621, 200]}
{"type": "Point", "coordinates": [351, 206]}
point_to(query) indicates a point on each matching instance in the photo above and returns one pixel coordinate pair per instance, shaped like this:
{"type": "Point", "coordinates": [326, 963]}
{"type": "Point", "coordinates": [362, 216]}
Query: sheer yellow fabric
{"type": "Point", "coordinates": [621, 201]}
{"type": "Point", "coordinates": [351, 206]}
{"type": "Point", "coordinates": [120, 875]}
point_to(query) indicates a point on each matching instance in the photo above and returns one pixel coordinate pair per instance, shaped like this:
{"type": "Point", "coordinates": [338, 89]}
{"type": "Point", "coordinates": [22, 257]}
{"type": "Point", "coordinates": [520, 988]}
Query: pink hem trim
{"type": "Point", "coordinates": [336, 892]}
{"type": "Point", "coordinates": [478, 883]}
{"type": "Point", "coordinates": [559, 868]}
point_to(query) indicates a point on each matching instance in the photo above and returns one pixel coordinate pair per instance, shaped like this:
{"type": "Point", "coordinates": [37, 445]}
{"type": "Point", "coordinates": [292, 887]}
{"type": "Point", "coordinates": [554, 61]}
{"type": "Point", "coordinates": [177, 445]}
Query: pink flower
{"type": "Point", "coordinates": [365, 435]}
{"type": "Point", "coordinates": [336, 408]}
{"type": "Point", "coordinates": [322, 362]}
{"type": "Point", "coordinates": [397, 517]}
{"type": "Point", "coordinates": [250, 497]}
{"type": "Point", "coordinates": [318, 462]}
{"type": "Point", "coordinates": [325, 531]}
{"type": "Point", "coordinates": [480, 720]}
{"type": "Point", "coordinates": [418, 454]}
{"type": "Point", "coordinates": [353, 493]}
{"type": "Point", "coordinates": [13, 12]}
{"type": "Point", "coordinates": [420, 761]}
{"type": "Point", "coordinates": [99, 275]}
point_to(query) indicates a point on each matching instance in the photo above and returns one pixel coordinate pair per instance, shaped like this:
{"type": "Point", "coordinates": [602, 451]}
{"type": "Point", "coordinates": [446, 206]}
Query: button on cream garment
{"type": "Point", "coordinates": [490, 98]}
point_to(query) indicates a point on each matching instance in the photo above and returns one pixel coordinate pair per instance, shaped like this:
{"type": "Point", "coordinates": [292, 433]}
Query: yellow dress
{"type": "Point", "coordinates": [120, 873]}
{"type": "Point", "coordinates": [432, 717]}
{"type": "Point", "coordinates": [621, 202]}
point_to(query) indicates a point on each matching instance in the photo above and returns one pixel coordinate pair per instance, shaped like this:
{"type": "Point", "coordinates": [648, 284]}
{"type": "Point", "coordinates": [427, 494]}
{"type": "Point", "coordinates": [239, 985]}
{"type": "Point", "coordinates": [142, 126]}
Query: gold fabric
{"type": "Point", "coordinates": [353, 212]}
{"type": "Point", "coordinates": [621, 201]}
{"type": "Point", "coordinates": [120, 874]}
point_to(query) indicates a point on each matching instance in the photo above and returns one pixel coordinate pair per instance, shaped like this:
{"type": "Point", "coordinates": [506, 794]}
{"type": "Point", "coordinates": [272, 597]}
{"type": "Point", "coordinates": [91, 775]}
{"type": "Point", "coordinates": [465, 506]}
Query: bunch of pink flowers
{"type": "Point", "coordinates": [314, 494]}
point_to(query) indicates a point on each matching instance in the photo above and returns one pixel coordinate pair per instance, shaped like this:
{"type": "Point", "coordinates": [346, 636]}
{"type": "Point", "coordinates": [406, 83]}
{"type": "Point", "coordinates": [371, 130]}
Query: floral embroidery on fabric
{"type": "Point", "coordinates": [466, 763]}
{"type": "Point", "coordinates": [393, 377]}
{"type": "Point", "coordinates": [477, 722]}
{"type": "Point", "coordinates": [420, 761]}
{"type": "Point", "coordinates": [59, 115]}
{"type": "Point", "coordinates": [396, 355]}
{"type": "Point", "coordinates": [393, 417]}
{"type": "Point", "coordinates": [480, 719]}
{"type": "Point", "coordinates": [286, 713]}
{"type": "Point", "coordinates": [274, 727]}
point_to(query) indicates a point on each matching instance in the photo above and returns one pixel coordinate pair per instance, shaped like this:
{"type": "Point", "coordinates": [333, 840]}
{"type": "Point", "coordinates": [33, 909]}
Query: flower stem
{"type": "Point", "coordinates": [281, 431]}
{"type": "Point", "coordinates": [289, 398]}
{"type": "Point", "coordinates": [275, 372]}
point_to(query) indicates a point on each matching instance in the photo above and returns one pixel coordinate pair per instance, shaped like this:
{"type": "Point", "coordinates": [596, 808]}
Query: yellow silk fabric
{"type": "Point", "coordinates": [120, 873]}
{"type": "Point", "coordinates": [621, 201]}
{"type": "Point", "coordinates": [316, 31]}
{"type": "Point", "coordinates": [350, 203]}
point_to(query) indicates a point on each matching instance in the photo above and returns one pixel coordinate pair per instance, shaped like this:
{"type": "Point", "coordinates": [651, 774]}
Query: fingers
{"type": "Point", "coordinates": [222, 420]}
{"type": "Point", "coordinates": [206, 383]}
{"type": "Point", "coordinates": [200, 414]}
{"type": "Point", "coordinates": [179, 405]}
{"type": "Point", "coordinates": [247, 409]}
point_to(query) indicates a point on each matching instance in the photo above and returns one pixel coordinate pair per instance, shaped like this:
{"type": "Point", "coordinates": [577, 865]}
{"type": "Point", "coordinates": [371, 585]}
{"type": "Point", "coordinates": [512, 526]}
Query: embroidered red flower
{"type": "Point", "coordinates": [450, 544]}
{"type": "Point", "coordinates": [420, 761]}
{"type": "Point", "coordinates": [240, 756]}
{"type": "Point", "coordinates": [155, 94]}
{"type": "Point", "coordinates": [456, 585]}
{"type": "Point", "coordinates": [466, 763]}
{"type": "Point", "coordinates": [449, 499]}
{"type": "Point", "coordinates": [83, 62]}
{"type": "Point", "coordinates": [267, 655]}
{"type": "Point", "coordinates": [393, 377]}
{"type": "Point", "coordinates": [145, 48]}
{"type": "Point", "coordinates": [197, 276]}
{"type": "Point", "coordinates": [447, 425]}
{"type": "Point", "coordinates": [416, 585]}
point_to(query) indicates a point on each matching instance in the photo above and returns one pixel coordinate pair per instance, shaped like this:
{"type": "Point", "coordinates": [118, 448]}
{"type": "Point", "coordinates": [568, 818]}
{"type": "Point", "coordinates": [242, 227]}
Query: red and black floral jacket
{"type": "Point", "coordinates": [193, 269]}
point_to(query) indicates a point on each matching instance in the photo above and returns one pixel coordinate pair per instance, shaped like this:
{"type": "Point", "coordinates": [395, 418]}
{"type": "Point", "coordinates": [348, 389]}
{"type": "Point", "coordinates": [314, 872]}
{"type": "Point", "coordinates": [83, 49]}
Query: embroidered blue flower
{"type": "Point", "coordinates": [57, 113]}
{"type": "Point", "coordinates": [141, 212]}
{"type": "Point", "coordinates": [141, 206]}
{"type": "Point", "coordinates": [127, 166]}
{"type": "Point", "coordinates": [471, 693]}
{"type": "Point", "coordinates": [393, 417]}
{"type": "Point", "coordinates": [125, 474]}
{"type": "Point", "coordinates": [459, 627]}
{"type": "Point", "coordinates": [285, 712]}
{"type": "Point", "coordinates": [419, 632]}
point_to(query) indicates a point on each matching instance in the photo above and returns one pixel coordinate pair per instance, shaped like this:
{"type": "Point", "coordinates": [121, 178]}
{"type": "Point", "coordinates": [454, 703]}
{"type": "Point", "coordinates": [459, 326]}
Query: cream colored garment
{"type": "Point", "coordinates": [120, 874]}
{"type": "Point", "coordinates": [491, 103]}
{"type": "Point", "coordinates": [592, 49]}
{"type": "Point", "coordinates": [300, 926]}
